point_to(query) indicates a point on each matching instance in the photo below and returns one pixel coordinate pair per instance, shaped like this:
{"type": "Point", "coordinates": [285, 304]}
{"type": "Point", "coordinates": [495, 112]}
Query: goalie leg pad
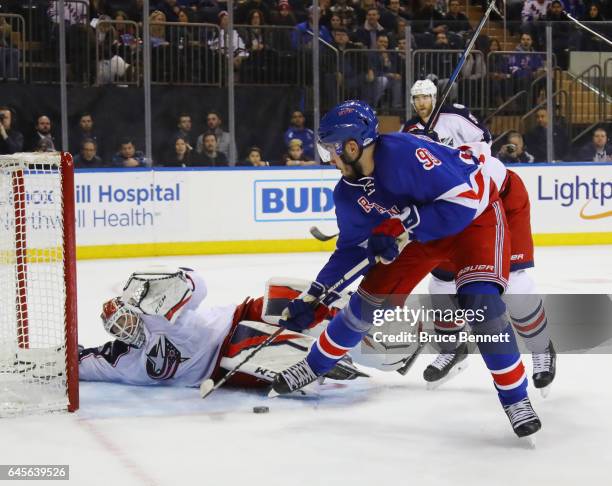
{"type": "Point", "coordinates": [287, 349]}
{"type": "Point", "coordinates": [280, 291]}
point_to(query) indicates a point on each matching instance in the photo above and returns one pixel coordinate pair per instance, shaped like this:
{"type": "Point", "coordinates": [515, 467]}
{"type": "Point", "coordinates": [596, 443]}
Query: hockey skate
{"type": "Point", "coordinates": [344, 370]}
{"type": "Point", "coordinates": [523, 419]}
{"type": "Point", "coordinates": [446, 366]}
{"type": "Point", "coordinates": [544, 369]}
{"type": "Point", "coordinates": [292, 379]}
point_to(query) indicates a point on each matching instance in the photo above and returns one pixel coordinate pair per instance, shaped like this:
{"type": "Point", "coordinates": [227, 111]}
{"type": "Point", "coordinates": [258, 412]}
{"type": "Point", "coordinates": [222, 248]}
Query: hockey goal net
{"type": "Point", "coordinates": [38, 334]}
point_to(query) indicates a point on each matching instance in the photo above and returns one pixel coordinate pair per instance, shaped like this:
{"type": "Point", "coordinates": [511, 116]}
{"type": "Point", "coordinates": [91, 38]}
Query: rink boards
{"type": "Point", "coordinates": [205, 211]}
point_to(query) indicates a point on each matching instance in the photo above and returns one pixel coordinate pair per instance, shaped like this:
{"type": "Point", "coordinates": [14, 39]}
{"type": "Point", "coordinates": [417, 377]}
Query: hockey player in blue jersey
{"type": "Point", "coordinates": [455, 125]}
{"type": "Point", "coordinates": [407, 204]}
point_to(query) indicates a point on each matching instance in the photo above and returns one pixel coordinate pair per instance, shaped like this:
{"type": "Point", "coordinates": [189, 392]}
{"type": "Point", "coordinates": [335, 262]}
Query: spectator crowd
{"type": "Point", "coordinates": [365, 37]}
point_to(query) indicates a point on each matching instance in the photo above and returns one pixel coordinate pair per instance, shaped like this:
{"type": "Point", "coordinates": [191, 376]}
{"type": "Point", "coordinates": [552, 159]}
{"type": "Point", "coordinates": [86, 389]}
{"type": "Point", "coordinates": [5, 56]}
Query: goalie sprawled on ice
{"type": "Point", "coordinates": [165, 335]}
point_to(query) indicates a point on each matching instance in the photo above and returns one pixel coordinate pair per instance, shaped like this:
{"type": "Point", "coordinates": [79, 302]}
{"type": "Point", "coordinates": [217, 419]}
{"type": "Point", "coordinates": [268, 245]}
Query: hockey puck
{"type": "Point", "coordinates": [261, 409]}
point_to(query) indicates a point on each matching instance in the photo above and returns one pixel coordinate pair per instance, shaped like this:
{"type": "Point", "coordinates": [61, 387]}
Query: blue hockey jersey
{"type": "Point", "coordinates": [447, 187]}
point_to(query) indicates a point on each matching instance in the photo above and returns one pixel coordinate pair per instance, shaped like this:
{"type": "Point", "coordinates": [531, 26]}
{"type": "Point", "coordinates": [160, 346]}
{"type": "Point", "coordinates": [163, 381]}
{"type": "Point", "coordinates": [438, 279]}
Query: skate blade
{"type": "Point", "coordinates": [545, 391]}
{"type": "Point", "coordinates": [433, 385]}
{"type": "Point", "coordinates": [528, 442]}
{"type": "Point", "coordinates": [308, 391]}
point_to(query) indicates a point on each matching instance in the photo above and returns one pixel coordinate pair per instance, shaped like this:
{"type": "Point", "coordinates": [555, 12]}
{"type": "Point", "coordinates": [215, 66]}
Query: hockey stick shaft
{"type": "Point", "coordinates": [205, 388]}
{"type": "Point", "coordinates": [410, 361]}
{"type": "Point", "coordinates": [319, 235]}
{"type": "Point", "coordinates": [597, 34]}
{"type": "Point", "coordinates": [453, 78]}
{"type": "Point", "coordinates": [208, 386]}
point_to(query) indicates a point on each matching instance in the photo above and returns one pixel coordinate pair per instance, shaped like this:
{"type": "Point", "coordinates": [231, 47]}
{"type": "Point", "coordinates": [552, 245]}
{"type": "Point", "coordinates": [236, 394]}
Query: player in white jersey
{"type": "Point", "coordinates": [457, 127]}
{"type": "Point", "coordinates": [165, 335]}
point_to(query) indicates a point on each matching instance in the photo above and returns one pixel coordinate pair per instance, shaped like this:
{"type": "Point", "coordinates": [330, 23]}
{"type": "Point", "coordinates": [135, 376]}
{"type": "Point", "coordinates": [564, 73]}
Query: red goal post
{"type": "Point", "coordinates": [38, 310]}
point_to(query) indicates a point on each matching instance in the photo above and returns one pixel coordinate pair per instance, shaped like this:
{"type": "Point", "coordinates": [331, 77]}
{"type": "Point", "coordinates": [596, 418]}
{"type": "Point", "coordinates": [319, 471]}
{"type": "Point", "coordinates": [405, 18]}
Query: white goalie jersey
{"type": "Point", "coordinates": [183, 353]}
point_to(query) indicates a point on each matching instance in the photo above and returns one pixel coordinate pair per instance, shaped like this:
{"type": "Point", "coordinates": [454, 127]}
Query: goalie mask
{"type": "Point", "coordinates": [123, 323]}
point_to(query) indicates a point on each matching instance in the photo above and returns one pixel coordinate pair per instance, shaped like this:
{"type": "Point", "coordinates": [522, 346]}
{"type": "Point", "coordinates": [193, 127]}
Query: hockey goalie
{"type": "Point", "coordinates": [164, 334]}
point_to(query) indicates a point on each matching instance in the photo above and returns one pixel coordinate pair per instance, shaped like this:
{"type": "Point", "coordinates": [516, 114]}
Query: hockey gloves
{"type": "Point", "coordinates": [390, 237]}
{"type": "Point", "coordinates": [308, 309]}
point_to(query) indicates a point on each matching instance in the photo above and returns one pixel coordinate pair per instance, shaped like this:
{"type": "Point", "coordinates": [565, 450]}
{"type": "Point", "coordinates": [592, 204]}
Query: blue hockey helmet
{"type": "Point", "coordinates": [350, 120]}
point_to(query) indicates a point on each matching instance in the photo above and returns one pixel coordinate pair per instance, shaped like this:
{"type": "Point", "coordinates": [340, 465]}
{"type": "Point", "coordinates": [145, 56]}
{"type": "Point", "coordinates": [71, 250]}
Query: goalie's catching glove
{"type": "Point", "coordinates": [308, 309]}
{"type": "Point", "coordinates": [159, 293]}
{"type": "Point", "coordinates": [390, 237]}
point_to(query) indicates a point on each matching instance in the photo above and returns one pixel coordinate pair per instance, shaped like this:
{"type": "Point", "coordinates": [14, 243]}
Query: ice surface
{"type": "Point", "coordinates": [387, 430]}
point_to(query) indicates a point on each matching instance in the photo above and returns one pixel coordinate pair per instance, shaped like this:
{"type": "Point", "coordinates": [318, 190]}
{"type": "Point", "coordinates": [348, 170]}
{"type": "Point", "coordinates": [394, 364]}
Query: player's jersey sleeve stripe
{"type": "Point", "coordinates": [462, 194]}
{"type": "Point", "coordinates": [466, 195]}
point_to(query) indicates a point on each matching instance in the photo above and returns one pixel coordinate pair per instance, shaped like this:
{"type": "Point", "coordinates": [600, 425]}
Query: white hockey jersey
{"type": "Point", "coordinates": [456, 126]}
{"type": "Point", "coordinates": [179, 354]}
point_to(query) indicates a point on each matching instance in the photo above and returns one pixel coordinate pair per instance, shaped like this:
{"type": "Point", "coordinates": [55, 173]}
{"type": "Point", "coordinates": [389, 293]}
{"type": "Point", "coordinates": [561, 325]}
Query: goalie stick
{"type": "Point", "coordinates": [208, 386]}
{"type": "Point", "coordinates": [319, 235]}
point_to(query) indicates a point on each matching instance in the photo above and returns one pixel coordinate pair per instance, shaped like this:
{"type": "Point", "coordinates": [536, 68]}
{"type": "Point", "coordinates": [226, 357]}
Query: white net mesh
{"type": "Point", "coordinates": [32, 286]}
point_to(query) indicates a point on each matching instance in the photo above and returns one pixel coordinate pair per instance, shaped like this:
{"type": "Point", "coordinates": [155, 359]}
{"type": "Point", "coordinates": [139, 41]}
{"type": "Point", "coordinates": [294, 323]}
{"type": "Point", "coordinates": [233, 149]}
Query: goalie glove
{"type": "Point", "coordinates": [158, 293]}
{"type": "Point", "coordinates": [122, 322]}
{"type": "Point", "coordinates": [307, 310]}
{"type": "Point", "coordinates": [390, 237]}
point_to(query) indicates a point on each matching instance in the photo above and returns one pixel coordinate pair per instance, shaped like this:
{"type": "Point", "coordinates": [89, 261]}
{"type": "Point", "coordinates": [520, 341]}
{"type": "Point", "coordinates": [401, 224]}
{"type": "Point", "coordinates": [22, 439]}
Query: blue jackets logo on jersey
{"type": "Point", "coordinates": [163, 359]}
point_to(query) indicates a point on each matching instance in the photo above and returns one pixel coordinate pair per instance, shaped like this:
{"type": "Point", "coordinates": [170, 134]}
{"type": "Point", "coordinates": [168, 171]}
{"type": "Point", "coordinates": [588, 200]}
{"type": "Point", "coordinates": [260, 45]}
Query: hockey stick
{"type": "Point", "coordinates": [319, 235]}
{"type": "Point", "coordinates": [208, 386]}
{"type": "Point", "coordinates": [451, 81]}
{"type": "Point", "coordinates": [412, 358]}
{"type": "Point", "coordinates": [580, 24]}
